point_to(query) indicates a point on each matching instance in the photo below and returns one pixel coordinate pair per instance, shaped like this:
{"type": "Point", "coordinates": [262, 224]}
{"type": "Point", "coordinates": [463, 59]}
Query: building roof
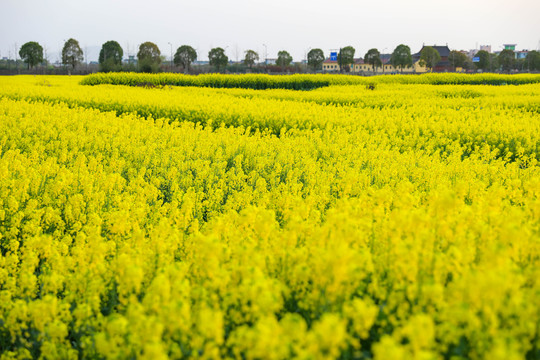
{"type": "Point", "coordinates": [444, 51]}
{"type": "Point", "coordinates": [356, 61]}
{"type": "Point", "coordinates": [385, 58]}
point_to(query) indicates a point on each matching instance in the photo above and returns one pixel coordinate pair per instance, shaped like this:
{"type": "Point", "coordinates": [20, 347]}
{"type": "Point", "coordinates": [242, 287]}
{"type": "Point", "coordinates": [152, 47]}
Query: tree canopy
{"type": "Point", "coordinates": [149, 51]}
{"type": "Point", "coordinates": [31, 53]}
{"type": "Point", "coordinates": [110, 56]}
{"type": "Point", "coordinates": [373, 58]}
{"type": "Point", "coordinates": [71, 53]}
{"type": "Point", "coordinates": [218, 58]}
{"type": "Point", "coordinates": [458, 59]}
{"type": "Point", "coordinates": [483, 60]}
{"type": "Point", "coordinates": [533, 60]}
{"type": "Point", "coordinates": [149, 57]}
{"type": "Point", "coordinates": [184, 56]}
{"type": "Point", "coordinates": [345, 58]}
{"type": "Point", "coordinates": [401, 57]}
{"type": "Point", "coordinates": [429, 57]}
{"type": "Point", "coordinates": [507, 59]}
{"type": "Point", "coordinates": [250, 58]}
{"type": "Point", "coordinates": [315, 58]}
{"type": "Point", "coordinates": [284, 58]}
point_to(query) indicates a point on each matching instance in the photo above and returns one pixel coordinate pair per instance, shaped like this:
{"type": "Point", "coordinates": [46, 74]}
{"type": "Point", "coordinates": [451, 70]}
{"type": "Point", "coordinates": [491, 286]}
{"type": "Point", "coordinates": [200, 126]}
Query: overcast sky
{"type": "Point", "coordinates": [292, 25]}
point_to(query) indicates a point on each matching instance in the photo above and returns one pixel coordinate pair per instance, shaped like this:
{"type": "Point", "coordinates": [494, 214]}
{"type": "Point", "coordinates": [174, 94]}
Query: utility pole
{"type": "Point", "coordinates": [45, 58]}
{"type": "Point", "coordinates": [265, 58]}
{"type": "Point", "coordinates": [305, 57]}
{"type": "Point", "coordinates": [236, 52]}
{"type": "Point", "coordinates": [171, 56]}
{"type": "Point", "coordinates": [62, 55]}
{"type": "Point", "coordinates": [16, 63]}
{"type": "Point", "coordinates": [340, 59]}
{"type": "Point", "coordinates": [382, 55]}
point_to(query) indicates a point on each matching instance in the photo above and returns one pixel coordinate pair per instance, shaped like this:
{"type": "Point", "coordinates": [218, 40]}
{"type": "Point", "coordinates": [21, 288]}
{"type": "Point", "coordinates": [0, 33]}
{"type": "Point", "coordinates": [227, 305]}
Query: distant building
{"type": "Point", "coordinates": [361, 67]}
{"type": "Point", "coordinates": [130, 60]}
{"type": "Point", "coordinates": [471, 53]}
{"type": "Point", "coordinates": [330, 65]}
{"type": "Point", "coordinates": [385, 68]}
{"type": "Point", "coordinates": [486, 48]}
{"type": "Point", "coordinates": [270, 61]}
{"type": "Point", "coordinates": [522, 54]}
{"type": "Point", "coordinates": [443, 65]}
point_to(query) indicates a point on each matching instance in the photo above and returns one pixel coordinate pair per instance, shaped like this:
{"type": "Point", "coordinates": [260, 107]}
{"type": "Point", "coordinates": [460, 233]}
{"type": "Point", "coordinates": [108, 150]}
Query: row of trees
{"type": "Point", "coordinates": [149, 58]}
{"type": "Point", "coordinates": [401, 57]}
{"type": "Point", "coordinates": [32, 53]}
{"type": "Point", "coordinates": [506, 60]}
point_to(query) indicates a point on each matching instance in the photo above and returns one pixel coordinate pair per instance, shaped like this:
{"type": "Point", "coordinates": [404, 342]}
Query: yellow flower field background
{"type": "Point", "coordinates": [393, 217]}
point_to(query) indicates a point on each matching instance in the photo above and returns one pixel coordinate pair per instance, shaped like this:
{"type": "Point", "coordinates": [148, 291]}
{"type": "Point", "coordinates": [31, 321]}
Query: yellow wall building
{"type": "Point", "coordinates": [360, 67]}
{"type": "Point", "coordinates": [331, 66]}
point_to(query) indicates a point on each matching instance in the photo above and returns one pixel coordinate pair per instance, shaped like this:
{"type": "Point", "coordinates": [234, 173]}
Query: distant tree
{"type": "Point", "coordinates": [429, 57]}
{"type": "Point", "coordinates": [468, 65]}
{"type": "Point", "coordinates": [284, 59]}
{"type": "Point", "coordinates": [483, 62]}
{"type": "Point", "coordinates": [250, 58]}
{"type": "Point", "coordinates": [533, 60]}
{"type": "Point", "coordinates": [184, 56]}
{"type": "Point", "coordinates": [149, 57]}
{"type": "Point", "coordinates": [507, 59]}
{"type": "Point", "coordinates": [373, 58]}
{"type": "Point", "coordinates": [401, 57]}
{"type": "Point", "coordinates": [218, 58]}
{"type": "Point", "coordinates": [493, 62]}
{"type": "Point", "coordinates": [345, 58]}
{"type": "Point", "coordinates": [31, 53]}
{"type": "Point", "coordinates": [110, 56]}
{"type": "Point", "coordinates": [457, 59]}
{"type": "Point", "coordinates": [315, 58]}
{"type": "Point", "coordinates": [72, 53]}
{"type": "Point", "coordinates": [521, 64]}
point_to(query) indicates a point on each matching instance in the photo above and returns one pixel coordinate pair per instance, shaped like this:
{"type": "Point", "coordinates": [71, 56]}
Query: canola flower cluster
{"type": "Point", "coordinates": [395, 223]}
{"type": "Point", "coordinates": [300, 81]}
{"type": "Point", "coordinates": [249, 81]}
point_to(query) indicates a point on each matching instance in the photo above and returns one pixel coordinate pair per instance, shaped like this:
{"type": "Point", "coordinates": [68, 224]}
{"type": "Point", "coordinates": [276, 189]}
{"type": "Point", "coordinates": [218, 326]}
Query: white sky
{"type": "Point", "coordinates": [292, 25]}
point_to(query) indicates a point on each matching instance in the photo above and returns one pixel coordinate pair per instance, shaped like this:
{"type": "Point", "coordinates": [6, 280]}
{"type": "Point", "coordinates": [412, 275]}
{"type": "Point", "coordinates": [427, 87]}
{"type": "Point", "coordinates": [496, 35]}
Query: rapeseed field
{"type": "Point", "coordinates": [252, 217]}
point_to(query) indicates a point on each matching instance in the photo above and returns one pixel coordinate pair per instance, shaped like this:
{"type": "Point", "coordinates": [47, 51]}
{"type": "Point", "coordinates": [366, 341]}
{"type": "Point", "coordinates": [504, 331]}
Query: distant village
{"type": "Point", "coordinates": [430, 58]}
{"type": "Point", "coordinates": [450, 61]}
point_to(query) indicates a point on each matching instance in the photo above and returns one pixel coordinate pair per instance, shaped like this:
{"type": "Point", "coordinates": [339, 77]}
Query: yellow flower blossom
{"type": "Point", "coordinates": [208, 222]}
